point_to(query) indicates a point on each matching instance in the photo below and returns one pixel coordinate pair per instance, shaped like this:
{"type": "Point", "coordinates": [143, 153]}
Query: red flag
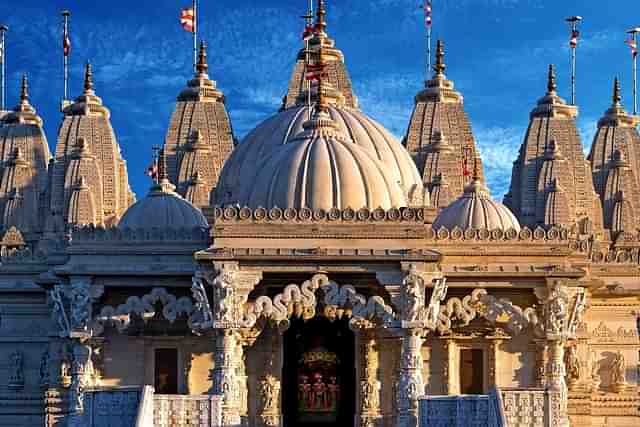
{"type": "Point", "coordinates": [631, 42]}
{"type": "Point", "coordinates": [187, 19]}
{"type": "Point", "coordinates": [66, 44]}
{"type": "Point", "coordinates": [573, 42]}
{"type": "Point", "coordinates": [152, 171]}
{"type": "Point", "coordinates": [308, 33]}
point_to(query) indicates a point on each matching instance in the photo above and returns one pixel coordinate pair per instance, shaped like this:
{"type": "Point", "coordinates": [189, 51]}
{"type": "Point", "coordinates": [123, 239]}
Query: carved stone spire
{"type": "Point", "coordinates": [439, 66]}
{"type": "Point", "coordinates": [552, 130]}
{"type": "Point", "coordinates": [202, 67]}
{"type": "Point", "coordinates": [88, 79]}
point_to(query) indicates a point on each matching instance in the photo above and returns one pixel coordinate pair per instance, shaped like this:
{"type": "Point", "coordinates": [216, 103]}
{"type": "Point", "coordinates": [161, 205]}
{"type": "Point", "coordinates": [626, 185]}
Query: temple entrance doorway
{"type": "Point", "coordinates": [319, 374]}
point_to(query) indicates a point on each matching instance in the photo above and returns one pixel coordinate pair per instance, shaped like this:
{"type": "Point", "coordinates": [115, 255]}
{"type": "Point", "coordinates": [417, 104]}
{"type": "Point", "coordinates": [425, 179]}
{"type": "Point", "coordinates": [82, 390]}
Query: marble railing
{"type": "Point", "coordinates": [200, 410]}
{"type": "Point", "coordinates": [501, 408]}
{"type": "Point", "coordinates": [117, 407]}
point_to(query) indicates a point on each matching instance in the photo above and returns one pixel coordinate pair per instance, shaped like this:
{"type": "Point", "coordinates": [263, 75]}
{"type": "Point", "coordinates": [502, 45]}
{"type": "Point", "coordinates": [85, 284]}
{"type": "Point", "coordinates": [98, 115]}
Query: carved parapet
{"type": "Point", "coordinates": [91, 233]}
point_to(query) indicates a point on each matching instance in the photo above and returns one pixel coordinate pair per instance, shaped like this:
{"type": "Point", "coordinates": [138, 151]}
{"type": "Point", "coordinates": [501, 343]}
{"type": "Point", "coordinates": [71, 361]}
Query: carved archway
{"type": "Point", "coordinates": [338, 301]}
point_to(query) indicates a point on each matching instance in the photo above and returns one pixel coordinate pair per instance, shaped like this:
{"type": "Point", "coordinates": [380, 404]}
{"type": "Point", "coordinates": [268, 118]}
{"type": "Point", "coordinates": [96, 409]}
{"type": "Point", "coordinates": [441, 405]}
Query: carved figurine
{"type": "Point", "coordinates": [595, 375]}
{"type": "Point", "coordinates": [269, 391]}
{"type": "Point", "coordinates": [618, 372]}
{"type": "Point", "coordinates": [16, 370]}
{"type": "Point", "coordinates": [572, 364]}
{"type": "Point", "coordinates": [80, 304]}
{"type": "Point", "coordinates": [202, 317]}
{"type": "Point", "coordinates": [44, 369]}
{"type": "Point", "coordinates": [224, 295]}
{"type": "Point", "coordinates": [413, 287]}
{"type": "Point", "coordinates": [556, 310]}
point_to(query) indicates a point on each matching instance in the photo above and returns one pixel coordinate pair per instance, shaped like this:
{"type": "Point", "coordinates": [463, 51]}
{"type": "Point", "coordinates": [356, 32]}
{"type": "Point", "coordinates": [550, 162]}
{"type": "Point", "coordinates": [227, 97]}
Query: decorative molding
{"type": "Point", "coordinates": [143, 308]}
{"type": "Point", "coordinates": [91, 233]}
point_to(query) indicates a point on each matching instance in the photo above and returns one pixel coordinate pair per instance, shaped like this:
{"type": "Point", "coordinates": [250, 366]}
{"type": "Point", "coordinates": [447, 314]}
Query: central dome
{"type": "Point", "coordinates": [323, 169]}
{"type": "Point", "coordinates": [239, 173]}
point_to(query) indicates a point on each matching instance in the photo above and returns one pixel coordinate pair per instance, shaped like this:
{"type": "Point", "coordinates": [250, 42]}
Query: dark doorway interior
{"type": "Point", "coordinates": [319, 374]}
{"type": "Point", "coordinates": [472, 371]}
{"type": "Point", "coordinates": [166, 371]}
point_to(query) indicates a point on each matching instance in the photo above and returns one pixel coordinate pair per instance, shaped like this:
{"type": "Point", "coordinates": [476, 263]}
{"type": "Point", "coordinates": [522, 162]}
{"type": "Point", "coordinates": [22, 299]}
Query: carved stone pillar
{"type": "Point", "coordinates": [368, 412]}
{"type": "Point", "coordinates": [270, 384]}
{"type": "Point", "coordinates": [410, 383]}
{"type": "Point", "coordinates": [493, 358]}
{"type": "Point", "coordinates": [448, 366]}
{"type": "Point", "coordinates": [225, 378]}
{"type": "Point", "coordinates": [82, 376]}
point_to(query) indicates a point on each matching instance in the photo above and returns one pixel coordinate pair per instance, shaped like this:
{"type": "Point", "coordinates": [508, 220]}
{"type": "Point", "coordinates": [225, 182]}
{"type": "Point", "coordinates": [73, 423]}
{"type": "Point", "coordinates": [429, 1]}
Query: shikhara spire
{"type": "Point", "coordinates": [321, 14]}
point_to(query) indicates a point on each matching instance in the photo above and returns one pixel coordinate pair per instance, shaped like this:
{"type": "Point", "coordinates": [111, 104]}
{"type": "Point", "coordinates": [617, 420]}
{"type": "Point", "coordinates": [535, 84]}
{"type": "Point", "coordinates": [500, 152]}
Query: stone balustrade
{"type": "Point", "coordinates": [501, 408]}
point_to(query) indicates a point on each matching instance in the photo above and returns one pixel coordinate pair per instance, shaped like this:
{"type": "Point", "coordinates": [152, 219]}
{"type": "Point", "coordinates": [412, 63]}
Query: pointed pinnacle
{"type": "Point", "coordinates": [88, 78]}
{"type": "Point", "coordinates": [617, 97]}
{"type": "Point", "coordinates": [439, 66]}
{"type": "Point", "coordinates": [321, 23]}
{"type": "Point", "coordinates": [551, 80]}
{"type": "Point", "coordinates": [202, 67]}
{"type": "Point", "coordinates": [24, 89]}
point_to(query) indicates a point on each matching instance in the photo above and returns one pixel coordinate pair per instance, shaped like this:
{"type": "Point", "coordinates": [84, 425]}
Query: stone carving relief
{"type": "Point", "coordinates": [556, 310]}
{"type": "Point", "coordinates": [59, 312]}
{"type": "Point", "coordinates": [413, 297]}
{"type": "Point", "coordinates": [617, 373]}
{"type": "Point", "coordinates": [202, 317]}
{"type": "Point", "coordinates": [44, 370]}
{"type": "Point", "coordinates": [16, 370]}
{"type": "Point", "coordinates": [480, 303]}
{"type": "Point", "coordinates": [572, 363]}
{"type": "Point", "coordinates": [270, 401]}
{"type": "Point", "coordinates": [143, 308]}
{"type": "Point", "coordinates": [595, 368]}
{"type": "Point", "coordinates": [80, 304]}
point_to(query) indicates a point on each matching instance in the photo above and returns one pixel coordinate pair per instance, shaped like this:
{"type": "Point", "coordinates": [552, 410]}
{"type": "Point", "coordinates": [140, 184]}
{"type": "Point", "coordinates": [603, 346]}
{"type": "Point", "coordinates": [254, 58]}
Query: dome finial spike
{"type": "Point", "coordinates": [322, 99]}
{"type": "Point", "coordinates": [551, 79]}
{"type": "Point", "coordinates": [162, 167]}
{"type": "Point", "coordinates": [321, 14]}
{"type": "Point", "coordinates": [617, 97]}
{"type": "Point", "coordinates": [88, 78]}
{"type": "Point", "coordinates": [24, 89]}
{"type": "Point", "coordinates": [439, 66]}
{"type": "Point", "coordinates": [202, 66]}
{"type": "Point", "coordinates": [476, 170]}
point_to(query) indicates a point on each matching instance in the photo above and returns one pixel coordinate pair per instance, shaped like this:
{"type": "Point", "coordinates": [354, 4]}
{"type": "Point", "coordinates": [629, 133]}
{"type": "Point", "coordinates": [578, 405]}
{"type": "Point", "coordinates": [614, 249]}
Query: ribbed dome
{"type": "Point", "coordinates": [280, 129]}
{"type": "Point", "coordinates": [322, 169]}
{"type": "Point", "coordinates": [475, 209]}
{"type": "Point", "coordinates": [163, 208]}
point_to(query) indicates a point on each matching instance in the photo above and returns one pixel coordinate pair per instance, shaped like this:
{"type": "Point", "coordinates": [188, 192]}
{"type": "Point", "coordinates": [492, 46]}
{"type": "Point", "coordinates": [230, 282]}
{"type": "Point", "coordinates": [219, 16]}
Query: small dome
{"type": "Point", "coordinates": [163, 208]}
{"type": "Point", "coordinates": [323, 169]}
{"type": "Point", "coordinates": [475, 209]}
{"type": "Point", "coordinates": [284, 127]}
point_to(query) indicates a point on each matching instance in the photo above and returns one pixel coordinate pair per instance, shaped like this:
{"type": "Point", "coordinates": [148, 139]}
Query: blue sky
{"type": "Point", "coordinates": [497, 54]}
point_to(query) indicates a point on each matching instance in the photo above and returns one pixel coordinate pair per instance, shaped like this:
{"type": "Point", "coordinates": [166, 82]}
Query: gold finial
{"type": "Point", "coordinates": [476, 169]}
{"type": "Point", "coordinates": [321, 14]}
{"type": "Point", "coordinates": [162, 166]}
{"type": "Point", "coordinates": [322, 101]}
{"type": "Point", "coordinates": [439, 66]}
{"type": "Point", "coordinates": [551, 79]}
{"type": "Point", "coordinates": [88, 78]}
{"type": "Point", "coordinates": [617, 97]}
{"type": "Point", "coordinates": [202, 67]}
{"type": "Point", "coordinates": [24, 89]}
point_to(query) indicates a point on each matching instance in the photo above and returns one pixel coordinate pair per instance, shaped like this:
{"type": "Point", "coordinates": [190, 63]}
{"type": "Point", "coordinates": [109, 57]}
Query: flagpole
{"type": "Point", "coordinates": [195, 34]}
{"type": "Point", "coordinates": [573, 21]}
{"type": "Point", "coordinates": [309, 22]}
{"type": "Point", "coordinates": [428, 51]}
{"type": "Point", "coordinates": [3, 30]}
{"type": "Point", "coordinates": [65, 14]}
{"type": "Point", "coordinates": [634, 34]}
